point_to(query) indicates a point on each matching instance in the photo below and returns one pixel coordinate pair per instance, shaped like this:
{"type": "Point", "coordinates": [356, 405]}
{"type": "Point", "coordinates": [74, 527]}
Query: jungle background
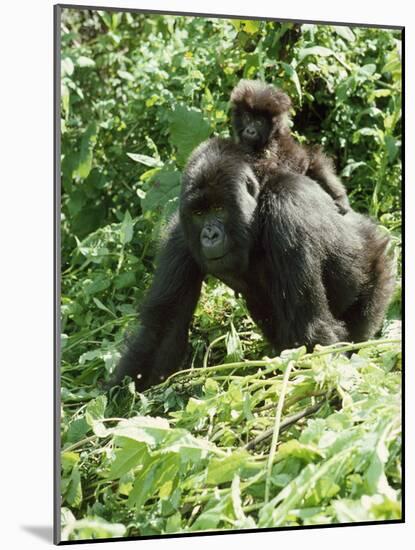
{"type": "Point", "coordinates": [240, 439]}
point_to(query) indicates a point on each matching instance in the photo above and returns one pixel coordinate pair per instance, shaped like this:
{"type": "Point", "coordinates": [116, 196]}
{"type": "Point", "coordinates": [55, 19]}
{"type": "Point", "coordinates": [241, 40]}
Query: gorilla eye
{"type": "Point", "coordinates": [218, 208]}
{"type": "Point", "coordinates": [197, 212]}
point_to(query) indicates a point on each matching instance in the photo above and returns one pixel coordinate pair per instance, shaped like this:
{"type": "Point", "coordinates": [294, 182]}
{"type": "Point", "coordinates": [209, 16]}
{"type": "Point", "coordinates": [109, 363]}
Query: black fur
{"type": "Point", "coordinates": [260, 115]}
{"type": "Point", "coordinates": [308, 274]}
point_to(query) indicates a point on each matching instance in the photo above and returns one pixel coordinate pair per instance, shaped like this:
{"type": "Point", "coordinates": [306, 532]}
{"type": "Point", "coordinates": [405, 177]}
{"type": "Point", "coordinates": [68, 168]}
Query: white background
{"type": "Point", "coordinates": [26, 233]}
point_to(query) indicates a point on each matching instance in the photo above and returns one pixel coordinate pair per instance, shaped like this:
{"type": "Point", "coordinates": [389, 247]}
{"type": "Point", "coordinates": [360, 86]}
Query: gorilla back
{"type": "Point", "coordinates": [308, 274]}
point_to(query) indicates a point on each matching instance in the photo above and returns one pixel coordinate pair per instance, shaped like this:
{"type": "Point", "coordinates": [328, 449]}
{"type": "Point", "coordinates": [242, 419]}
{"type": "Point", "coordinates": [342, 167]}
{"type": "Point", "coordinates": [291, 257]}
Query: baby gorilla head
{"type": "Point", "coordinates": [217, 205]}
{"type": "Point", "coordinates": [259, 113]}
{"type": "Point", "coordinates": [253, 129]}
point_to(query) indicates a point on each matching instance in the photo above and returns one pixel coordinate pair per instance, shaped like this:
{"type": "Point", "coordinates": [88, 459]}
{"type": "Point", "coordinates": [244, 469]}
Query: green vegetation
{"type": "Point", "coordinates": [237, 440]}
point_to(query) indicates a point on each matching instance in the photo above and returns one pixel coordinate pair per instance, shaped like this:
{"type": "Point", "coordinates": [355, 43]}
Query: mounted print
{"type": "Point", "coordinates": [229, 262]}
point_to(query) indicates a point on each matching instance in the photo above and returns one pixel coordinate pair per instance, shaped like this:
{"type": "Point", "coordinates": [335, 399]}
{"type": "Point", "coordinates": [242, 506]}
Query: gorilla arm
{"type": "Point", "coordinates": [295, 217]}
{"type": "Point", "coordinates": [159, 347]}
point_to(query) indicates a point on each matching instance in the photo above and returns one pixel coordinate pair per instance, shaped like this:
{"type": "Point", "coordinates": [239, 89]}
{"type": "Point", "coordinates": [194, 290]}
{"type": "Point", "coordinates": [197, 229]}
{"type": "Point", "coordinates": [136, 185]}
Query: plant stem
{"type": "Point", "coordinates": [276, 431]}
{"type": "Point", "coordinates": [289, 421]}
{"type": "Point", "coordinates": [274, 364]}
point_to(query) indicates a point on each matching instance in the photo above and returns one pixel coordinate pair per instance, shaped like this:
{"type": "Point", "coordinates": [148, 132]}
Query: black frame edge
{"type": "Point", "coordinates": [227, 16]}
{"type": "Point", "coordinates": [57, 272]}
{"type": "Point", "coordinates": [403, 284]}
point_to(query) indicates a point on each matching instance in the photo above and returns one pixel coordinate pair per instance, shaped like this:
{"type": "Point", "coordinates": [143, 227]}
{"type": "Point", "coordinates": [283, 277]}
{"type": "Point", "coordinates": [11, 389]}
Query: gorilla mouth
{"type": "Point", "coordinates": [215, 249]}
{"type": "Point", "coordinates": [214, 258]}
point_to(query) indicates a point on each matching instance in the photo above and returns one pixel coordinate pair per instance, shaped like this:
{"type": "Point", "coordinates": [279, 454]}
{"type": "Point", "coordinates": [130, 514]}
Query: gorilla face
{"type": "Point", "coordinates": [219, 197]}
{"type": "Point", "coordinates": [253, 129]}
{"type": "Point", "coordinates": [213, 239]}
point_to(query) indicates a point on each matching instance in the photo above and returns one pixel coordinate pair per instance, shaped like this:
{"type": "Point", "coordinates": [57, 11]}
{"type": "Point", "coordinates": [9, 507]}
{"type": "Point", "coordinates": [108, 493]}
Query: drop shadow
{"type": "Point", "coordinates": [43, 532]}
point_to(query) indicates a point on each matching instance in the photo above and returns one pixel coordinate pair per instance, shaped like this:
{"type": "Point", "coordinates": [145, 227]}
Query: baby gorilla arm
{"type": "Point", "coordinates": [322, 170]}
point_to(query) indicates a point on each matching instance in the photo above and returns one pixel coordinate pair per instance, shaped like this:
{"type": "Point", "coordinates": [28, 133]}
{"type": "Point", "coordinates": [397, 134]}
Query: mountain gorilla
{"type": "Point", "coordinates": [308, 274]}
{"type": "Point", "coordinates": [260, 116]}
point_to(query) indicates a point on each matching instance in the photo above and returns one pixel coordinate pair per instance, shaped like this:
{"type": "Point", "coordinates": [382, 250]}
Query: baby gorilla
{"type": "Point", "coordinates": [260, 115]}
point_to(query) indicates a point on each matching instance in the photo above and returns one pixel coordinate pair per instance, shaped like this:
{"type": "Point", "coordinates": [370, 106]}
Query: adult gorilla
{"type": "Point", "coordinates": [308, 274]}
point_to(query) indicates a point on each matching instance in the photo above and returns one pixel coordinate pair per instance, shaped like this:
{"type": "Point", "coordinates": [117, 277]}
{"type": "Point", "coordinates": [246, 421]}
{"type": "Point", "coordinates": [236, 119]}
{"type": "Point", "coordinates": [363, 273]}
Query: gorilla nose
{"type": "Point", "coordinates": [212, 240]}
{"type": "Point", "coordinates": [250, 132]}
{"type": "Point", "coordinates": [211, 235]}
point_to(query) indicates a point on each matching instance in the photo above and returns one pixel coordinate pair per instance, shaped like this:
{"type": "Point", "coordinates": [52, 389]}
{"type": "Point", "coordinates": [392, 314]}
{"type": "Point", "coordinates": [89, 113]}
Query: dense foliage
{"type": "Point", "coordinates": [138, 94]}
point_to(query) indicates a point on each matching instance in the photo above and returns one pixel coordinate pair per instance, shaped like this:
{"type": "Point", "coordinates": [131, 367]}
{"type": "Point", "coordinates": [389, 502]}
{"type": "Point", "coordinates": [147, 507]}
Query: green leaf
{"type": "Point", "coordinates": [83, 61]}
{"type": "Point", "coordinates": [351, 167]}
{"type": "Point", "coordinates": [221, 470]}
{"type": "Point", "coordinates": [381, 92]}
{"type": "Point", "coordinates": [190, 448]}
{"type": "Point", "coordinates": [346, 88]}
{"type": "Point", "coordinates": [188, 128]}
{"type": "Point", "coordinates": [275, 512]}
{"type": "Point", "coordinates": [174, 523]}
{"type": "Point", "coordinates": [367, 508]}
{"type": "Point", "coordinates": [236, 23]}
{"type": "Point", "coordinates": [391, 147]}
{"type": "Point", "coordinates": [318, 51]}
{"type": "Point", "coordinates": [393, 64]}
{"type": "Point", "coordinates": [126, 229]}
{"type": "Point", "coordinates": [69, 460]}
{"type": "Point", "coordinates": [212, 515]}
{"type": "Point", "coordinates": [152, 100]}
{"type": "Point", "coordinates": [168, 475]}
{"type": "Point", "coordinates": [125, 280]}
{"type": "Point", "coordinates": [89, 356]}
{"type": "Point", "coordinates": [146, 160]}
{"type": "Point", "coordinates": [251, 26]}
{"type": "Point", "coordinates": [73, 493]}
{"type": "Point", "coordinates": [65, 97]}
{"type": "Point", "coordinates": [164, 187]}
{"type": "Point", "coordinates": [67, 67]}
{"type": "Point", "coordinates": [294, 448]}
{"type": "Point", "coordinates": [95, 411]}
{"type": "Point", "coordinates": [66, 516]}
{"type": "Point", "coordinates": [293, 76]}
{"type": "Point", "coordinates": [234, 350]}
{"type": "Point", "coordinates": [236, 498]}
{"type": "Point", "coordinates": [92, 528]}
{"type": "Point", "coordinates": [128, 455]}
{"type": "Point", "coordinates": [125, 75]}
{"type": "Point", "coordinates": [144, 485]}
{"type": "Point", "coordinates": [145, 429]}
{"type": "Point", "coordinates": [252, 62]}
{"type": "Point", "coordinates": [99, 284]}
{"type": "Point", "coordinates": [88, 141]}
{"type": "Point", "coordinates": [77, 430]}
{"type": "Point", "coordinates": [374, 132]}
{"type": "Point", "coordinates": [345, 32]}
{"type": "Point", "coordinates": [375, 476]}
{"type": "Point", "coordinates": [101, 306]}
{"type": "Point", "coordinates": [367, 70]}
{"type": "Point", "coordinates": [77, 201]}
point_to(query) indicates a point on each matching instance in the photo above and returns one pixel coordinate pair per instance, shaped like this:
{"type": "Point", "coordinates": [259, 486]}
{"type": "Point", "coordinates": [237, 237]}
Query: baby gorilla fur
{"type": "Point", "coordinates": [260, 116]}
